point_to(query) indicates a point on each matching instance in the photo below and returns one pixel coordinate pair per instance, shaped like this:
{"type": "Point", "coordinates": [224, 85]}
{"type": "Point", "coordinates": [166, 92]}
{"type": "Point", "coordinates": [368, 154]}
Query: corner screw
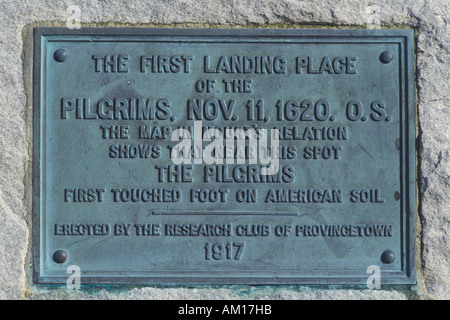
{"type": "Point", "coordinates": [60, 55]}
{"type": "Point", "coordinates": [387, 257]}
{"type": "Point", "coordinates": [386, 57]}
{"type": "Point", "coordinates": [60, 256]}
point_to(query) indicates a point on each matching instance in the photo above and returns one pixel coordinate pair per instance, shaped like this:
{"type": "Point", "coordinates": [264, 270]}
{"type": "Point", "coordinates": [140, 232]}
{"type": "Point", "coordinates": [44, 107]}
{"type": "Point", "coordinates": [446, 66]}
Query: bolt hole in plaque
{"type": "Point", "coordinates": [169, 156]}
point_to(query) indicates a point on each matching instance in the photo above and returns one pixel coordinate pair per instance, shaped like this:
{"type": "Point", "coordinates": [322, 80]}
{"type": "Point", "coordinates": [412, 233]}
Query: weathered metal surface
{"type": "Point", "coordinates": [109, 199]}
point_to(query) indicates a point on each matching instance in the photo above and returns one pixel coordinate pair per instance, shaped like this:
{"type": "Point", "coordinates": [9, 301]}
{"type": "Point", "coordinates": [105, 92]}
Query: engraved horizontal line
{"type": "Point", "coordinates": [237, 41]}
{"type": "Point", "coordinates": [226, 213]}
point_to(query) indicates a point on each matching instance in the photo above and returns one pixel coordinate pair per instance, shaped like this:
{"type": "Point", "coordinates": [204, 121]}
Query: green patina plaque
{"type": "Point", "coordinates": [169, 156]}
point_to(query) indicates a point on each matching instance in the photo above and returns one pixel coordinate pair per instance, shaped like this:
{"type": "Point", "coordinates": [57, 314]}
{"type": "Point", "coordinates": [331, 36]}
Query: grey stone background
{"type": "Point", "coordinates": [429, 18]}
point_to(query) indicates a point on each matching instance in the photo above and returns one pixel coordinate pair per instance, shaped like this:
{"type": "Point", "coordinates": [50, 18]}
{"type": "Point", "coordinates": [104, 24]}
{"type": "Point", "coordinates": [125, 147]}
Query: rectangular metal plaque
{"type": "Point", "coordinates": [224, 156]}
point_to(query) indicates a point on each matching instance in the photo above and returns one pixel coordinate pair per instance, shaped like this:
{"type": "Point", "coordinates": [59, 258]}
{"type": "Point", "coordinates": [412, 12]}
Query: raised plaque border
{"type": "Point", "coordinates": [403, 37]}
